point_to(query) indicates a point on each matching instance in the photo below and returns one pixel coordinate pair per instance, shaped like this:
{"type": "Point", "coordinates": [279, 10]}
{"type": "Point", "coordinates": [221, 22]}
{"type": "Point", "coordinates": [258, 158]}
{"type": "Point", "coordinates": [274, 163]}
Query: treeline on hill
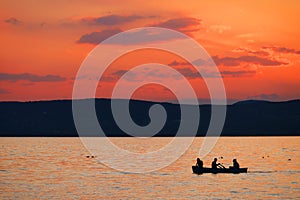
{"type": "Point", "coordinates": [55, 119]}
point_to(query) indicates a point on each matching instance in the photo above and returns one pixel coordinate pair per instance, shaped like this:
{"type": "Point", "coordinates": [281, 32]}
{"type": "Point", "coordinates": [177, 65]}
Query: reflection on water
{"type": "Point", "coordinates": [32, 168]}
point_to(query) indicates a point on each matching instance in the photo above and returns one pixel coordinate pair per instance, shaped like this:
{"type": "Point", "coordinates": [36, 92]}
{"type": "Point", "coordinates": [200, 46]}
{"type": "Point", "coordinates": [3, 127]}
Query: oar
{"type": "Point", "coordinates": [222, 166]}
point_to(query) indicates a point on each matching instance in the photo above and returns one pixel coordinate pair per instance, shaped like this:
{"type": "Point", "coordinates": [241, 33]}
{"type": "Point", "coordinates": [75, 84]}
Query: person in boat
{"type": "Point", "coordinates": [215, 165]}
{"type": "Point", "coordinates": [236, 165]}
{"type": "Point", "coordinates": [199, 163]}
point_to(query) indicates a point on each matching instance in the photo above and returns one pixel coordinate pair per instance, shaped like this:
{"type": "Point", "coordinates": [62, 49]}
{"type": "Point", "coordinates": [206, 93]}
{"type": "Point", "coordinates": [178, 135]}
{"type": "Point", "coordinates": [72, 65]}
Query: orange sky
{"type": "Point", "coordinates": [254, 44]}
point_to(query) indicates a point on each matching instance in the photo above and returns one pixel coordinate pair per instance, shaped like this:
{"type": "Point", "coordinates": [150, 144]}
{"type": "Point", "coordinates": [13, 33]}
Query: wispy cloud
{"type": "Point", "coordinates": [110, 20]}
{"type": "Point", "coordinates": [186, 72]}
{"type": "Point", "coordinates": [12, 21]}
{"type": "Point", "coordinates": [191, 73]}
{"type": "Point", "coordinates": [176, 63]}
{"type": "Point", "coordinates": [132, 76]}
{"type": "Point", "coordinates": [233, 61]}
{"type": "Point", "coordinates": [185, 24]}
{"type": "Point", "coordinates": [261, 52]}
{"type": "Point", "coordinates": [97, 37]}
{"type": "Point", "coordinates": [30, 77]}
{"type": "Point", "coordinates": [238, 73]}
{"type": "Point", "coordinates": [199, 63]}
{"type": "Point", "coordinates": [237, 61]}
{"type": "Point", "coordinates": [267, 50]}
{"type": "Point", "coordinates": [282, 49]}
{"type": "Point", "coordinates": [142, 36]}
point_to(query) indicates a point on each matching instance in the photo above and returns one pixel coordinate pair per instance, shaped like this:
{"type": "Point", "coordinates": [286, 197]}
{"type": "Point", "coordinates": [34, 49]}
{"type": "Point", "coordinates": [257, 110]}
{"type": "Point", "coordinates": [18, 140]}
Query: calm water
{"type": "Point", "coordinates": [57, 168]}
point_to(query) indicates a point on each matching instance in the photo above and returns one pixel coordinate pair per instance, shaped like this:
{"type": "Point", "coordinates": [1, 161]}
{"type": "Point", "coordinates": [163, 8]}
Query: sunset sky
{"type": "Point", "coordinates": [255, 45]}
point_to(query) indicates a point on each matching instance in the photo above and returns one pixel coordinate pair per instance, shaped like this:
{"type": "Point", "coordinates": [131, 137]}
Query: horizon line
{"type": "Point", "coordinates": [152, 101]}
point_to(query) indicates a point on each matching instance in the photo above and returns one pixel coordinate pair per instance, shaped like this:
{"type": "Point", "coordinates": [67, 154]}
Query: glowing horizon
{"type": "Point", "coordinates": [254, 44]}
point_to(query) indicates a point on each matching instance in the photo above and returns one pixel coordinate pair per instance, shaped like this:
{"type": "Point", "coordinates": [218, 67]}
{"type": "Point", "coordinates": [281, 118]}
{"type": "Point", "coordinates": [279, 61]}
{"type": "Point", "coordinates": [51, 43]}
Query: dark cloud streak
{"type": "Point", "coordinates": [237, 61]}
{"type": "Point", "coordinates": [282, 49]}
{"type": "Point", "coordinates": [97, 37]}
{"type": "Point", "coordinates": [30, 77]}
{"type": "Point", "coordinates": [111, 20]}
{"type": "Point", "coordinates": [232, 61]}
{"type": "Point", "coordinates": [12, 21]}
{"type": "Point", "coordinates": [262, 52]}
{"type": "Point", "coordinates": [180, 24]}
{"type": "Point", "coordinates": [239, 73]}
{"type": "Point", "coordinates": [137, 37]}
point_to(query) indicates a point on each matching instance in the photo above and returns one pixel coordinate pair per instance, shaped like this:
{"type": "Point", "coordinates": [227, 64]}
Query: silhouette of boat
{"type": "Point", "coordinates": [197, 170]}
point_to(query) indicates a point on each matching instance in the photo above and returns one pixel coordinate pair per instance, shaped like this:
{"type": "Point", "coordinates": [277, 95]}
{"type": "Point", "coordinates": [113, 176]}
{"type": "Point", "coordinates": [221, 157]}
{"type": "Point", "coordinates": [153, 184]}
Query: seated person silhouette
{"type": "Point", "coordinates": [215, 165]}
{"type": "Point", "coordinates": [199, 163]}
{"type": "Point", "coordinates": [236, 165]}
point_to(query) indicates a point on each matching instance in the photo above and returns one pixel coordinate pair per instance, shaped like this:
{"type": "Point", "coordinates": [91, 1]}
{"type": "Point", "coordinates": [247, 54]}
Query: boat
{"type": "Point", "coordinates": [197, 170]}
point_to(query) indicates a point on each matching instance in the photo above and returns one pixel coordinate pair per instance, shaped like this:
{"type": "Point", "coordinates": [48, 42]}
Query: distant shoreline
{"type": "Point", "coordinates": [244, 136]}
{"type": "Point", "coordinates": [234, 101]}
{"type": "Point", "coordinates": [54, 118]}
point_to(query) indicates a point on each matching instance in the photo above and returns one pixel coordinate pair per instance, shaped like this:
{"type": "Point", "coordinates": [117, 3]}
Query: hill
{"type": "Point", "coordinates": [55, 119]}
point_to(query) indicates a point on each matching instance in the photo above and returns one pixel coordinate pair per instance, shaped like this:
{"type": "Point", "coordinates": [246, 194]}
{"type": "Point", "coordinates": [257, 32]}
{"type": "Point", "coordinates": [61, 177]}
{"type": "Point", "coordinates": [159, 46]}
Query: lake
{"type": "Point", "coordinates": [58, 168]}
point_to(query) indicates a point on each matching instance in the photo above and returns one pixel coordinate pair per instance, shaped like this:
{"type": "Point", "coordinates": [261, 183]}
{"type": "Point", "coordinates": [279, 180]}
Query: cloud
{"type": "Point", "coordinates": [203, 74]}
{"type": "Point", "coordinates": [133, 37]}
{"type": "Point", "coordinates": [261, 52]}
{"type": "Point", "coordinates": [232, 61]}
{"type": "Point", "coordinates": [263, 96]}
{"type": "Point", "coordinates": [199, 63]}
{"type": "Point", "coordinates": [110, 20]}
{"type": "Point", "coordinates": [237, 61]}
{"type": "Point", "coordinates": [267, 50]}
{"type": "Point", "coordinates": [282, 49]}
{"type": "Point", "coordinates": [133, 76]}
{"type": "Point", "coordinates": [239, 73]}
{"type": "Point", "coordinates": [187, 72]}
{"type": "Point", "coordinates": [176, 63]}
{"type": "Point", "coordinates": [97, 37]}
{"type": "Point", "coordinates": [186, 24]}
{"type": "Point", "coordinates": [120, 72]}
{"type": "Point", "coordinates": [13, 21]}
{"type": "Point", "coordinates": [3, 91]}
{"type": "Point", "coordinates": [207, 72]}
{"type": "Point", "coordinates": [30, 77]}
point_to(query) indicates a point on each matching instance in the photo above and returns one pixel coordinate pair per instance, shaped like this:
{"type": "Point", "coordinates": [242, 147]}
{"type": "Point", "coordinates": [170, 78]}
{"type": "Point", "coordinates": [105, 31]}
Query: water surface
{"type": "Point", "coordinates": [58, 168]}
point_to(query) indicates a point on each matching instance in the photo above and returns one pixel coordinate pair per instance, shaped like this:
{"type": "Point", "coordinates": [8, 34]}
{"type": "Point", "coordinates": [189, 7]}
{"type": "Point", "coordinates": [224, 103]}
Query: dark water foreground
{"type": "Point", "coordinates": [58, 168]}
